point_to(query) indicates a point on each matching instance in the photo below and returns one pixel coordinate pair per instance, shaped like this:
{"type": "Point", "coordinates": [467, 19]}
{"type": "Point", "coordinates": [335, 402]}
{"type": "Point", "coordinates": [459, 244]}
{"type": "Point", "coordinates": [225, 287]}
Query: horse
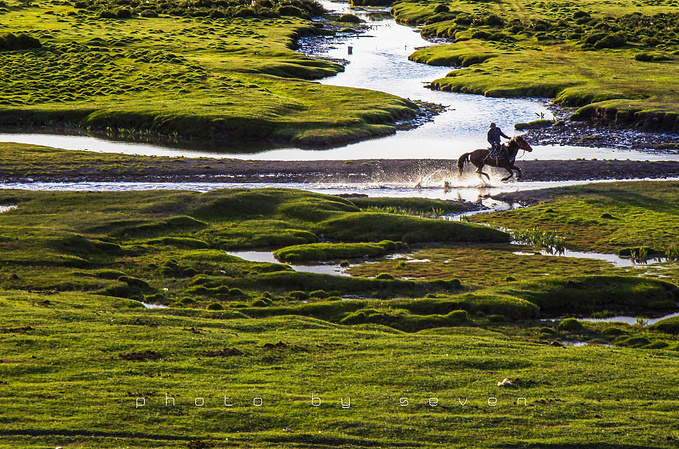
{"type": "Point", "coordinates": [482, 157]}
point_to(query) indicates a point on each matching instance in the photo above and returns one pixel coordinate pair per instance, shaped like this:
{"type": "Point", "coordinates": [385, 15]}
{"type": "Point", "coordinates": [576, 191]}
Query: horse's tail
{"type": "Point", "coordinates": [462, 161]}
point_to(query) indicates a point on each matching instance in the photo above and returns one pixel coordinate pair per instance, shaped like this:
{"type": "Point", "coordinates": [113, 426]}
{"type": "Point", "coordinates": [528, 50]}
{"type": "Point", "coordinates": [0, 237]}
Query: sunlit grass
{"type": "Point", "coordinates": [620, 59]}
{"type": "Point", "coordinates": [221, 77]}
{"type": "Point", "coordinates": [80, 353]}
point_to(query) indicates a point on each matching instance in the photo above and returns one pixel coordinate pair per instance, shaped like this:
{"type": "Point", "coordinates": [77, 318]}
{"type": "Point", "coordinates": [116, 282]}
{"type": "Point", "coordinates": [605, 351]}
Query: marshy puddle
{"type": "Point", "coordinates": [319, 267]}
{"type": "Point", "coordinates": [580, 344]}
{"type": "Point", "coordinates": [153, 306]}
{"type": "Point", "coordinates": [612, 259]}
{"type": "Point", "coordinates": [406, 258]}
{"type": "Point", "coordinates": [267, 256]}
{"type": "Point", "coordinates": [629, 319]}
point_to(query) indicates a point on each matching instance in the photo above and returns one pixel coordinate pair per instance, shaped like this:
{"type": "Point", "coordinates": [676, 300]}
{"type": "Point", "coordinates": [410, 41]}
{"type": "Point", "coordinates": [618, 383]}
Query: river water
{"type": "Point", "coordinates": [378, 61]}
{"type": "Point", "coordinates": [477, 191]}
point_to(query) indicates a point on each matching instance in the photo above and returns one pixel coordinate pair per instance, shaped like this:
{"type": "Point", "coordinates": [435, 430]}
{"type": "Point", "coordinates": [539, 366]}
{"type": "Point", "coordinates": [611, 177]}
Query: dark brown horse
{"type": "Point", "coordinates": [482, 157]}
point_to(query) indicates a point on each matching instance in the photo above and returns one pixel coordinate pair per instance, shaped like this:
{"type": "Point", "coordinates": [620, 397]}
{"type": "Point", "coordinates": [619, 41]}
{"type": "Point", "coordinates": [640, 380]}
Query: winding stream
{"type": "Point", "coordinates": [378, 61]}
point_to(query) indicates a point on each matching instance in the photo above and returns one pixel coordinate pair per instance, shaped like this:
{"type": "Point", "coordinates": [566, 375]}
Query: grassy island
{"type": "Point", "coordinates": [221, 70]}
{"type": "Point", "coordinates": [126, 323]}
{"type": "Point", "coordinates": [617, 61]}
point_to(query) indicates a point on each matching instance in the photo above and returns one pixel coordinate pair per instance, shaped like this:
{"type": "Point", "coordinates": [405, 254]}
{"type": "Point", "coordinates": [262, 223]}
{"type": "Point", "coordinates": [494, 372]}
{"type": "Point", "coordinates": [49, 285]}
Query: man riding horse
{"type": "Point", "coordinates": [497, 150]}
{"type": "Point", "coordinates": [482, 157]}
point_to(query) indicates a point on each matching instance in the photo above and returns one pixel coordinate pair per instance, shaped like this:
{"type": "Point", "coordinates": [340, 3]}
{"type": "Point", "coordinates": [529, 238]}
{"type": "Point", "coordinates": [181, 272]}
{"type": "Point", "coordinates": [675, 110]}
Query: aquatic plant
{"type": "Point", "coordinates": [549, 240]}
{"type": "Point", "coordinates": [435, 212]}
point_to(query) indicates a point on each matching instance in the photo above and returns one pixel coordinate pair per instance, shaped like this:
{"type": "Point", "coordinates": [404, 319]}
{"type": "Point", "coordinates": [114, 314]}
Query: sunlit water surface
{"type": "Point", "coordinates": [474, 191]}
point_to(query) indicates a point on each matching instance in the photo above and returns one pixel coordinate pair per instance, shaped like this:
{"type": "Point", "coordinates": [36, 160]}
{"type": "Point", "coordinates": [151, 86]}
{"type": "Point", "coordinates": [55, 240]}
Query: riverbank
{"type": "Point", "coordinates": [27, 163]}
{"type": "Point", "coordinates": [593, 134]}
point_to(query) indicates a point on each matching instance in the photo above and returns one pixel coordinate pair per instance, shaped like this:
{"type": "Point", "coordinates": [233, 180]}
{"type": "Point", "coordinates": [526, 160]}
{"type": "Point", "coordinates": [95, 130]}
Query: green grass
{"type": "Point", "coordinates": [80, 353]}
{"type": "Point", "coordinates": [76, 367]}
{"type": "Point", "coordinates": [603, 217]}
{"type": "Point", "coordinates": [189, 72]}
{"type": "Point", "coordinates": [329, 251]}
{"type": "Point", "coordinates": [170, 240]}
{"type": "Point", "coordinates": [410, 206]}
{"type": "Point", "coordinates": [615, 60]}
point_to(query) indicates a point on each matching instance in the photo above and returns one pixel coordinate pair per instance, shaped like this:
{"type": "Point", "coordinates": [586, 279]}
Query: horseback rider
{"type": "Point", "coordinates": [497, 150]}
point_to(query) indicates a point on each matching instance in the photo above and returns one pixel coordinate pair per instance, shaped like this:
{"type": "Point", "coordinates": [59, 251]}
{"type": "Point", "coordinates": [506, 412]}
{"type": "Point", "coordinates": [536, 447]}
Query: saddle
{"type": "Point", "coordinates": [498, 152]}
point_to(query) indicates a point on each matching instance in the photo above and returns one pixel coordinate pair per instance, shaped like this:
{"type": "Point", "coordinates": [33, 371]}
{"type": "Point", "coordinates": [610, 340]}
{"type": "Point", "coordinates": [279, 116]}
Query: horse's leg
{"type": "Point", "coordinates": [518, 172]}
{"type": "Point", "coordinates": [511, 173]}
{"type": "Point", "coordinates": [479, 171]}
{"type": "Point", "coordinates": [478, 161]}
{"type": "Point", "coordinates": [507, 167]}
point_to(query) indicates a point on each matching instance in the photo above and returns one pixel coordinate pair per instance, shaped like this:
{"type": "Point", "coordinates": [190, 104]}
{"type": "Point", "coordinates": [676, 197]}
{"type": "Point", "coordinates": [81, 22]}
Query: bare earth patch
{"type": "Point", "coordinates": [142, 169]}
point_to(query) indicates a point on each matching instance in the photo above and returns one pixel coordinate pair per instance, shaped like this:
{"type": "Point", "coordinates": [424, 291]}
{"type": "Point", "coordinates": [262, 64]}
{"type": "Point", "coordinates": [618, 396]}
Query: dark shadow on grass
{"type": "Point", "coordinates": [312, 440]}
{"type": "Point", "coordinates": [576, 446]}
{"type": "Point", "coordinates": [94, 434]}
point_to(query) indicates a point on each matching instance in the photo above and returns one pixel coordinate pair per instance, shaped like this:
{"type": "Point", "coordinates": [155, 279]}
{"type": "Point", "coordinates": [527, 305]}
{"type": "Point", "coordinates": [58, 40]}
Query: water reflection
{"type": "Point", "coordinates": [267, 256]}
{"type": "Point", "coordinates": [479, 193]}
{"type": "Point", "coordinates": [613, 259]}
{"type": "Point", "coordinates": [629, 319]}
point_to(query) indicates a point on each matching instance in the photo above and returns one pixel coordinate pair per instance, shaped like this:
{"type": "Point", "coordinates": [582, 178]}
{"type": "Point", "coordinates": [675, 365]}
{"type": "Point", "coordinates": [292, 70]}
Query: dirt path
{"type": "Point", "coordinates": [359, 171]}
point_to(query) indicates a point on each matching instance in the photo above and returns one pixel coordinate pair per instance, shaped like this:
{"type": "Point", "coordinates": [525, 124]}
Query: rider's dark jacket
{"type": "Point", "coordinates": [494, 135]}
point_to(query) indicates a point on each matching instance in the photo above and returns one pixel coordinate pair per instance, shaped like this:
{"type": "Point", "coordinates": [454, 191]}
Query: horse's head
{"type": "Point", "coordinates": [521, 143]}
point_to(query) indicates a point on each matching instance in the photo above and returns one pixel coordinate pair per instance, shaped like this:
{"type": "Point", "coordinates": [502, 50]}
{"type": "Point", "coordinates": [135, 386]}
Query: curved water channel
{"type": "Point", "coordinates": [378, 61]}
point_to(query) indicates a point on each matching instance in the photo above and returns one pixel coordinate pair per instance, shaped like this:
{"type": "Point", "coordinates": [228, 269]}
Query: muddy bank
{"type": "Point", "coordinates": [640, 120]}
{"type": "Point", "coordinates": [600, 133]}
{"type": "Point", "coordinates": [161, 169]}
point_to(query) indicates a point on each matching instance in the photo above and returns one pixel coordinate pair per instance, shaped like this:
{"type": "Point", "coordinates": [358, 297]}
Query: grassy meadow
{"type": "Point", "coordinates": [206, 69]}
{"type": "Point", "coordinates": [405, 352]}
{"type": "Point", "coordinates": [617, 61]}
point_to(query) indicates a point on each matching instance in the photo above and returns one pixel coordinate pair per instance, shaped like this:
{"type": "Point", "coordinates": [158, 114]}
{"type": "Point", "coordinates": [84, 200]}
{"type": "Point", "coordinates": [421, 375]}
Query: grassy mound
{"type": "Point", "coordinates": [668, 325]}
{"type": "Point", "coordinates": [329, 251]}
{"type": "Point", "coordinates": [587, 294]}
{"type": "Point", "coordinates": [409, 206]}
{"type": "Point", "coordinates": [281, 281]}
{"type": "Point", "coordinates": [377, 226]}
{"type": "Point", "coordinates": [208, 69]}
{"type": "Point", "coordinates": [618, 64]}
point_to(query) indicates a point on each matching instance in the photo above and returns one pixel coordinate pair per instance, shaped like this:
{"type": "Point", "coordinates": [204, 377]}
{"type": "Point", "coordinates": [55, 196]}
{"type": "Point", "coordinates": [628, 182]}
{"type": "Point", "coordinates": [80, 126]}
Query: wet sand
{"type": "Point", "coordinates": [356, 171]}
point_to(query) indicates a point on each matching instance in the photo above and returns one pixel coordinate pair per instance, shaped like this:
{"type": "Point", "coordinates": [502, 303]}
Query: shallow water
{"type": "Point", "coordinates": [332, 268]}
{"type": "Point", "coordinates": [474, 190]}
{"type": "Point", "coordinates": [613, 259]}
{"type": "Point", "coordinates": [267, 256]}
{"type": "Point", "coordinates": [153, 306]}
{"type": "Point", "coordinates": [629, 319]}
